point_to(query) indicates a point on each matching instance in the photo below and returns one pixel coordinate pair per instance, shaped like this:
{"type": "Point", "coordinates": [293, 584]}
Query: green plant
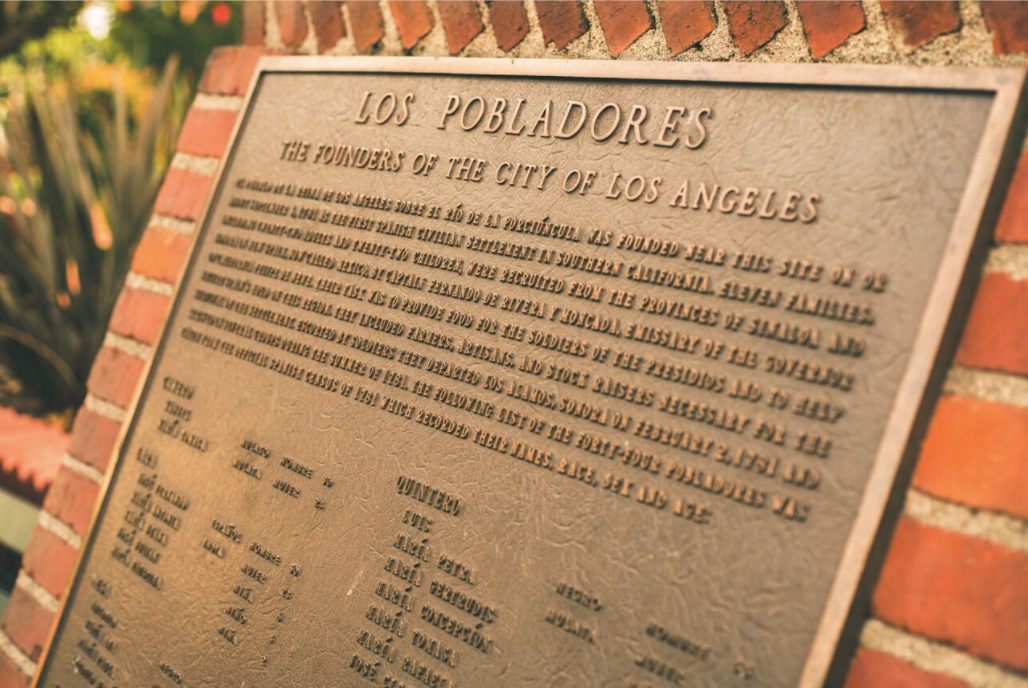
{"type": "Point", "coordinates": [77, 188]}
{"type": "Point", "coordinates": [21, 21]}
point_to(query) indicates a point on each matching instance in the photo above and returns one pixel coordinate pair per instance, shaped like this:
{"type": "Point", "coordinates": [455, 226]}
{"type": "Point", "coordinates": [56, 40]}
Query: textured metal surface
{"type": "Point", "coordinates": [440, 405]}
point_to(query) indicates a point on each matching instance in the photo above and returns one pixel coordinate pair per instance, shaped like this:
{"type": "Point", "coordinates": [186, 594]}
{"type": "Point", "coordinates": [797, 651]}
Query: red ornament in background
{"type": "Point", "coordinates": [221, 13]}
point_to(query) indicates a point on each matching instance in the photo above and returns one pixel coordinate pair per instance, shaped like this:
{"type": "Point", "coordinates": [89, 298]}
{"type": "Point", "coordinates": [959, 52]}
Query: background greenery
{"type": "Point", "coordinates": [91, 98]}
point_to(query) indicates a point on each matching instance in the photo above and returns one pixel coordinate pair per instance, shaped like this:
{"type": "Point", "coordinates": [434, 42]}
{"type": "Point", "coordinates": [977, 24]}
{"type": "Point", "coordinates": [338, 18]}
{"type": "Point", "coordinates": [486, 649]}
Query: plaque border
{"type": "Point", "coordinates": [937, 335]}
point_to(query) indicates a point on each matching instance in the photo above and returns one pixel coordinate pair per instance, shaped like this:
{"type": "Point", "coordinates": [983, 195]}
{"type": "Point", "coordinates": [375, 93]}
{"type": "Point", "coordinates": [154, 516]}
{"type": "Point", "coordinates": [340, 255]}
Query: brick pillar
{"type": "Point", "coordinates": [950, 609]}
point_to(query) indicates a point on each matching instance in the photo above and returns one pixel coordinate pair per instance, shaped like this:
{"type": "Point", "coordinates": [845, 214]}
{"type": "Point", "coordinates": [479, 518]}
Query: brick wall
{"type": "Point", "coordinates": [950, 608]}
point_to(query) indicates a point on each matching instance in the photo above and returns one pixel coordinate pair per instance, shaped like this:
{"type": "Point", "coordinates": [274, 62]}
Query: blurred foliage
{"type": "Point", "coordinates": [144, 34]}
{"type": "Point", "coordinates": [89, 114]}
{"type": "Point", "coordinates": [149, 33]}
{"type": "Point", "coordinates": [75, 200]}
{"type": "Point", "coordinates": [21, 21]}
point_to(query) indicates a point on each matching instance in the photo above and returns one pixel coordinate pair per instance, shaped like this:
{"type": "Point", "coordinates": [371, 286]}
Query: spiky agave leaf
{"type": "Point", "coordinates": [62, 266]}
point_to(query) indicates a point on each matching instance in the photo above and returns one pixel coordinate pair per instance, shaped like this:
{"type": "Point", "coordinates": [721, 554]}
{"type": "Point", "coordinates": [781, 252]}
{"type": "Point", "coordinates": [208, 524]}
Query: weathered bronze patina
{"type": "Point", "coordinates": [575, 374]}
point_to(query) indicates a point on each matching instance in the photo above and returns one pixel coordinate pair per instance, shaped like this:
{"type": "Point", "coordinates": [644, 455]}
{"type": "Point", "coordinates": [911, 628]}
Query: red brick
{"type": "Point", "coordinates": [561, 21]}
{"type": "Point", "coordinates": [71, 499]}
{"type": "Point", "coordinates": [292, 22]}
{"type": "Point", "coordinates": [956, 589]}
{"type": "Point", "coordinates": [873, 669]}
{"type": "Point", "coordinates": [622, 21]}
{"type": "Point", "coordinates": [161, 254]}
{"type": "Point", "coordinates": [183, 194]}
{"type": "Point", "coordinates": [1008, 22]}
{"type": "Point", "coordinates": [976, 453]}
{"type": "Point", "coordinates": [92, 438]}
{"type": "Point", "coordinates": [49, 561]}
{"type": "Point", "coordinates": [115, 375]}
{"type": "Point", "coordinates": [253, 23]}
{"type": "Point", "coordinates": [827, 25]}
{"type": "Point", "coordinates": [10, 674]}
{"type": "Point", "coordinates": [997, 329]}
{"type": "Point", "coordinates": [413, 20]}
{"type": "Point", "coordinates": [27, 623]}
{"type": "Point", "coordinates": [139, 314]}
{"type": "Point", "coordinates": [685, 23]}
{"type": "Point", "coordinates": [919, 22]}
{"type": "Point", "coordinates": [1013, 220]}
{"type": "Point", "coordinates": [461, 23]}
{"type": "Point", "coordinates": [366, 24]}
{"type": "Point", "coordinates": [229, 69]}
{"type": "Point", "coordinates": [206, 132]}
{"type": "Point", "coordinates": [510, 22]}
{"type": "Point", "coordinates": [753, 23]}
{"type": "Point", "coordinates": [327, 19]}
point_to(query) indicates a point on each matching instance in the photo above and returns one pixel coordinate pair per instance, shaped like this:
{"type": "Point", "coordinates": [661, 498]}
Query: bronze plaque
{"type": "Point", "coordinates": [493, 373]}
